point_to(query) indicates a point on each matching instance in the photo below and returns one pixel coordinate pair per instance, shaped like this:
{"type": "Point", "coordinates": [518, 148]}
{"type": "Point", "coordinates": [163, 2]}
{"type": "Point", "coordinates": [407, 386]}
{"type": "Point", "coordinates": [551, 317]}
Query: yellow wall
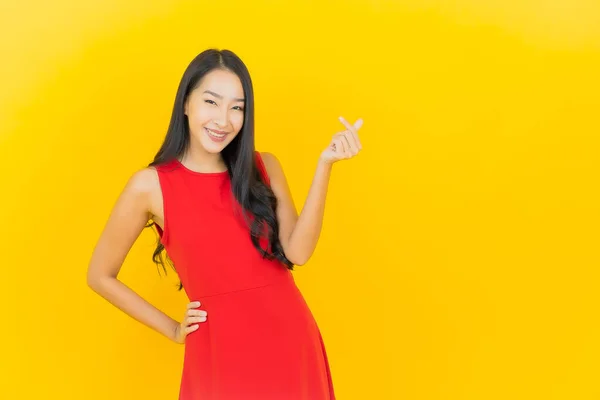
{"type": "Point", "coordinates": [460, 252]}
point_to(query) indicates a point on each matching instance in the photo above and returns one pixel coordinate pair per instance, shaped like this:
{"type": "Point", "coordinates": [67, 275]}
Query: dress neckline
{"type": "Point", "coordinates": [220, 173]}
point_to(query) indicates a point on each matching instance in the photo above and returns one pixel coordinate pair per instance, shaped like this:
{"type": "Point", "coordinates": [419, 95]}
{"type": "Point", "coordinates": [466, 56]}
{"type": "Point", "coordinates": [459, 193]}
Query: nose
{"type": "Point", "coordinates": [221, 117]}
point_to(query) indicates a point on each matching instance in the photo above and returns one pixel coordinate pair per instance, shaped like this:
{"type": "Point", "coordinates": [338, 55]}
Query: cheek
{"type": "Point", "coordinates": [237, 120]}
{"type": "Point", "coordinates": [200, 116]}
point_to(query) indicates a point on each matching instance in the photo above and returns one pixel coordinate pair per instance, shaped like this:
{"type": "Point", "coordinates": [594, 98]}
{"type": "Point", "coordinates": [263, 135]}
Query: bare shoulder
{"type": "Point", "coordinates": [279, 182]}
{"type": "Point", "coordinates": [144, 181]}
{"type": "Point", "coordinates": [272, 165]}
{"type": "Point", "coordinates": [144, 186]}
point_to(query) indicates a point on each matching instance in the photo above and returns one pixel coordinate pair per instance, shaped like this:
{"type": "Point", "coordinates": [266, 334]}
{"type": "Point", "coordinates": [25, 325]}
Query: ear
{"type": "Point", "coordinates": [185, 107]}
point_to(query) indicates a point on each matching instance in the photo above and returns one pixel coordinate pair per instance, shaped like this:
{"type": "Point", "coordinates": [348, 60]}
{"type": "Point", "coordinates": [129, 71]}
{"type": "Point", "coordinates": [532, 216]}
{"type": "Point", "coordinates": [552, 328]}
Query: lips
{"type": "Point", "coordinates": [217, 131]}
{"type": "Point", "coordinates": [216, 136]}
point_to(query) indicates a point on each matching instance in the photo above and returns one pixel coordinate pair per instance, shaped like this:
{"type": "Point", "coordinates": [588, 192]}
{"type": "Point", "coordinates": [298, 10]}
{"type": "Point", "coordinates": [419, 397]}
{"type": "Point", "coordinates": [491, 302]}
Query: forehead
{"type": "Point", "coordinates": [222, 82]}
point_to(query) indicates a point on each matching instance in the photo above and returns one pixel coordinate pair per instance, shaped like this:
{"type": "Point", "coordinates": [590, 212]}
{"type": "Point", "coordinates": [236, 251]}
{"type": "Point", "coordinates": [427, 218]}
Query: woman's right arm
{"type": "Point", "coordinates": [125, 223]}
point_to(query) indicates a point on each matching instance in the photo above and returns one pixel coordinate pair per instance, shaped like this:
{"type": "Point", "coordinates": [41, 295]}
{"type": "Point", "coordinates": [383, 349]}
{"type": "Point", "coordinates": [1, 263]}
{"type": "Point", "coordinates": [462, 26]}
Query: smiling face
{"type": "Point", "coordinates": [215, 110]}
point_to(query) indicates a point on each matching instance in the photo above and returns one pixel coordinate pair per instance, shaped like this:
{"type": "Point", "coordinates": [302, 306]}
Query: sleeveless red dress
{"type": "Point", "coordinates": [260, 340]}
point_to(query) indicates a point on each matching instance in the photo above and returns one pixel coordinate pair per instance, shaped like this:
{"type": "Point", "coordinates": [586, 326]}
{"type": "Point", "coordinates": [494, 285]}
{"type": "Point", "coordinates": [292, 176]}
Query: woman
{"type": "Point", "coordinates": [226, 219]}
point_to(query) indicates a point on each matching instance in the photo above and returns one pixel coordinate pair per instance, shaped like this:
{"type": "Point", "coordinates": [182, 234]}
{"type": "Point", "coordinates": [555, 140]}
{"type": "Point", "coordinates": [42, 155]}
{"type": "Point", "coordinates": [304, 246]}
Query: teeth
{"type": "Point", "coordinates": [217, 135]}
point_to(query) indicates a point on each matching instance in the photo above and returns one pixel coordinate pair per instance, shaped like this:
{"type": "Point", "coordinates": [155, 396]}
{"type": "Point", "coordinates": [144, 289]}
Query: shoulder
{"type": "Point", "coordinates": [143, 182]}
{"type": "Point", "coordinates": [275, 174]}
{"type": "Point", "coordinates": [272, 163]}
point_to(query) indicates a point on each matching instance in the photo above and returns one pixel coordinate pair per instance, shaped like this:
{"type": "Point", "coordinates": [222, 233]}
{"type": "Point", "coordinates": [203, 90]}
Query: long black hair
{"type": "Point", "coordinates": [248, 187]}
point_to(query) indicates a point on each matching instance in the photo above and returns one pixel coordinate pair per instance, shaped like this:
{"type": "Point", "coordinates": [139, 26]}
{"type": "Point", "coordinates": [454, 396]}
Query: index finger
{"type": "Point", "coordinates": [193, 304]}
{"type": "Point", "coordinates": [352, 128]}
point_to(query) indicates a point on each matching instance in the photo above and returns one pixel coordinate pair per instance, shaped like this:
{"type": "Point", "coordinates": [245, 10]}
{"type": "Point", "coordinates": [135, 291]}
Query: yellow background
{"type": "Point", "coordinates": [459, 254]}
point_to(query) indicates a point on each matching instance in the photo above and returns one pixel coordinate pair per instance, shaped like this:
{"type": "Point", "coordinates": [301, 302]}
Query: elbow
{"type": "Point", "coordinates": [92, 282]}
{"type": "Point", "coordinates": [297, 255]}
{"type": "Point", "coordinates": [298, 260]}
{"type": "Point", "coordinates": [95, 281]}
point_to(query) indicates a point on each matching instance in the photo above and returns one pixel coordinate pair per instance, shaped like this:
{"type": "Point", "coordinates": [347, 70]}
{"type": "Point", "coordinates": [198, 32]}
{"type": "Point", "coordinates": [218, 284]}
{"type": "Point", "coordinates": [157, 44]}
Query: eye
{"type": "Point", "coordinates": [238, 108]}
{"type": "Point", "coordinates": [209, 102]}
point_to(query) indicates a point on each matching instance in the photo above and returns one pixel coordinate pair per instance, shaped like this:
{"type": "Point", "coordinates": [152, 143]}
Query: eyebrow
{"type": "Point", "coordinates": [219, 96]}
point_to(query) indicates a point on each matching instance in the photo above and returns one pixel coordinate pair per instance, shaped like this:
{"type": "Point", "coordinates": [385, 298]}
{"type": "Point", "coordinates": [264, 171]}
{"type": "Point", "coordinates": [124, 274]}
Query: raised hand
{"type": "Point", "coordinates": [343, 145]}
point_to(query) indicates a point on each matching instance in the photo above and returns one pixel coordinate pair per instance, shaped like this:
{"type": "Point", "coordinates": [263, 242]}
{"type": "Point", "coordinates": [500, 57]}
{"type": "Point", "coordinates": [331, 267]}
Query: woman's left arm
{"type": "Point", "coordinates": [299, 234]}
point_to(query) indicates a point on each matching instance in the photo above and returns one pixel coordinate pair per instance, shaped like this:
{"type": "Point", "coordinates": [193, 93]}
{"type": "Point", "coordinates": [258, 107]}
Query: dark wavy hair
{"type": "Point", "coordinates": [249, 189]}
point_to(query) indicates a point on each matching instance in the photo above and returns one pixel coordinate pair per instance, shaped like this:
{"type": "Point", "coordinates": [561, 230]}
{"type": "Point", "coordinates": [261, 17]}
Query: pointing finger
{"type": "Point", "coordinates": [352, 128]}
{"type": "Point", "coordinates": [193, 304]}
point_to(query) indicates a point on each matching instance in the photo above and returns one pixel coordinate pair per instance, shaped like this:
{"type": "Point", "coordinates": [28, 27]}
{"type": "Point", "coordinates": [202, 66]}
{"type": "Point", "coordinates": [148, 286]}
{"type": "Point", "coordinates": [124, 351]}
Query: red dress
{"type": "Point", "coordinates": [260, 340]}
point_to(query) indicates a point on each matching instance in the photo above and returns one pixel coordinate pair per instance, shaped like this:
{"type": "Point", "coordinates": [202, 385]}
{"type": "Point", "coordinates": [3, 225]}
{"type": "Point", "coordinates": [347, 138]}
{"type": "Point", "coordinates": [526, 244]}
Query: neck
{"type": "Point", "coordinates": [202, 161]}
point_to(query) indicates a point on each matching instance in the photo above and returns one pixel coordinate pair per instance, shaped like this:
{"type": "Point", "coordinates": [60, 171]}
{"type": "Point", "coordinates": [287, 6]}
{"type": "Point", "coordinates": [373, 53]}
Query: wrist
{"type": "Point", "coordinates": [324, 163]}
{"type": "Point", "coordinates": [175, 332]}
